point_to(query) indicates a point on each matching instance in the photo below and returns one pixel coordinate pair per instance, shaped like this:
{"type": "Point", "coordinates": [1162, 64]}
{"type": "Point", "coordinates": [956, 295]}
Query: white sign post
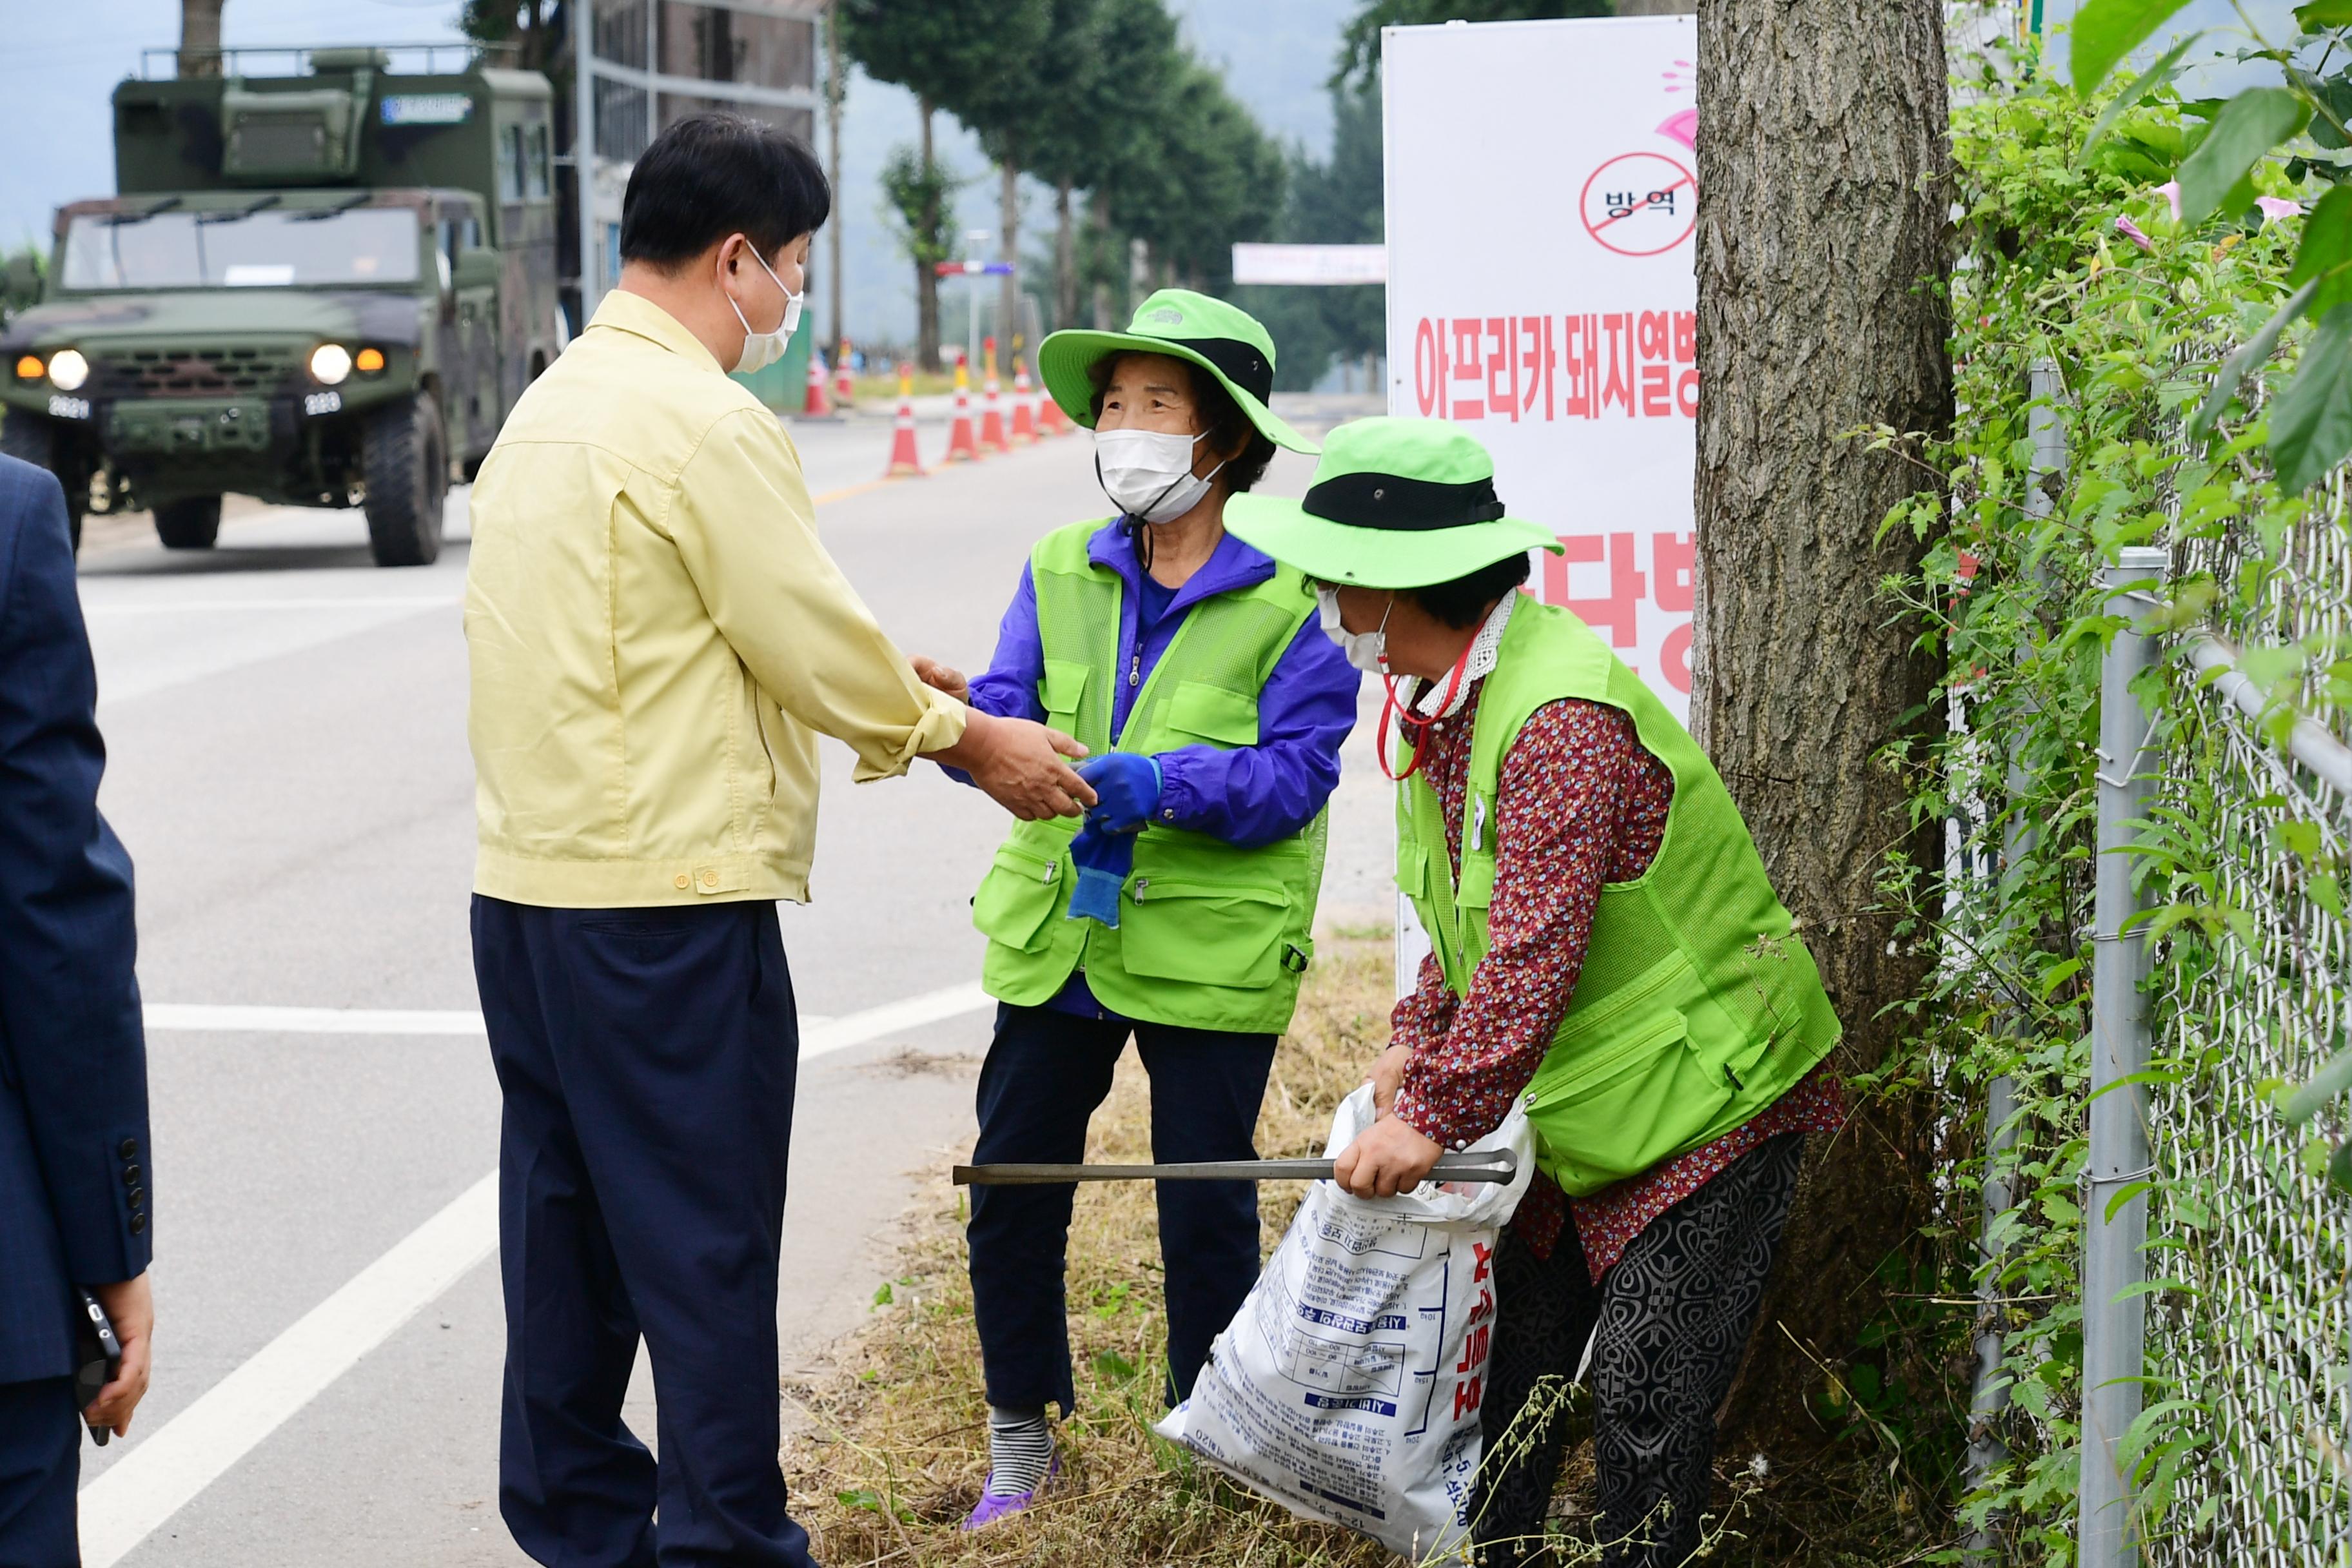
{"type": "Point", "coordinates": [1541, 196]}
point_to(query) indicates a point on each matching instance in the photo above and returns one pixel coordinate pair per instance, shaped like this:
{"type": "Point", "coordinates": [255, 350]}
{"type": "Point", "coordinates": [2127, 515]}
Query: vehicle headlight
{"type": "Point", "coordinates": [330, 362]}
{"type": "Point", "coordinates": [68, 369]}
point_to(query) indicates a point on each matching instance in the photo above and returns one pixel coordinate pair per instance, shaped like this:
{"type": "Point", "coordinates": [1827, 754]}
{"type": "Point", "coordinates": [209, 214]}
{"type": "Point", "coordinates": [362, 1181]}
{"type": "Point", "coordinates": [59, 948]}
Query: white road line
{"type": "Point", "coordinates": [355, 602]}
{"type": "Point", "coordinates": [123, 1507]}
{"type": "Point", "coordinates": [167, 1469]}
{"type": "Point", "coordinates": [206, 1018]}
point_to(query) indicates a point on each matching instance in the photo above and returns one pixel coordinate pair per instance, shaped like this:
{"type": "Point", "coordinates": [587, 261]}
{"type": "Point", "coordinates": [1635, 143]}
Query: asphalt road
{"type": "Point", "coordinates": [288, 767]}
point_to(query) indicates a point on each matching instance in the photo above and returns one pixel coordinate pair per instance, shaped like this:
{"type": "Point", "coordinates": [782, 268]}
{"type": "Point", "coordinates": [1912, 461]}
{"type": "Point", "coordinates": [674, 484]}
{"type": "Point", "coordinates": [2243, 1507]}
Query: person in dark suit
{"type": "Point", "coordinates": [74, 1208]}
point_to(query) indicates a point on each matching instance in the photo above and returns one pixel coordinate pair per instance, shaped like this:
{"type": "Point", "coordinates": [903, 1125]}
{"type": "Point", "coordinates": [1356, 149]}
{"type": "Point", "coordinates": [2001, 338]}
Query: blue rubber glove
{"type": "Point", "coordinates": [1128, 785]}
{"type": "Point", "coordinates": [1104, 859]}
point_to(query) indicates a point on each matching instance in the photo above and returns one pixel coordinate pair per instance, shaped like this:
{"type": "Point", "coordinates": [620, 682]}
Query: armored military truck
{"type": "Point", "coordinates": [323, 289]}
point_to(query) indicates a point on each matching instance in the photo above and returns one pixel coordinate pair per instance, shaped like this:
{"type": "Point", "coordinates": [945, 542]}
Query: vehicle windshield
{"type": "Point", "coordinates": [250, 247]}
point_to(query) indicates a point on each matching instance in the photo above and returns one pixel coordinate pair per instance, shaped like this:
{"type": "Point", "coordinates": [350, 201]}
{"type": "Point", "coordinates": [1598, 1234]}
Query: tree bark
{"type": "Point", "coordinates": [1098, 210]}
{"type": "Point", "coordinates": [1823, 251]}
{"type": "Point", "coordinates": [927, 280]}
{"type": "Point", "coordinates": [1065, 272]}
{"type": "Point", "coordinates": [832, 86]}
{"type": "Point", "coordinates": [200, 36]}
{"type": "Point", "coordinates": [1008, 291]}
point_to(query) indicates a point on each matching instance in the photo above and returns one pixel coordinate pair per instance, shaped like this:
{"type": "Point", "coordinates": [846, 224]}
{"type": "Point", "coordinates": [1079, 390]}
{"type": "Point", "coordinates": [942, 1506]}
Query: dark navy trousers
{"type": "Point", "coordinates": [648, 1059]}
{"type": "Point", "coordinates": [40, 1465]}
{"type": "Point", "coordinates": [1045, 1073]}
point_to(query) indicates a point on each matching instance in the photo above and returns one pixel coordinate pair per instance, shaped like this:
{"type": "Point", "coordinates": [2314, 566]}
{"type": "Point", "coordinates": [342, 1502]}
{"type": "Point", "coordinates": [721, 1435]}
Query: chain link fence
{"type": "Point", "coordinates": [2250, 1246]}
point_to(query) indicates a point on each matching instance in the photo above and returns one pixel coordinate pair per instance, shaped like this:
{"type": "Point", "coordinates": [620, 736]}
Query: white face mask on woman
{"type": "Point", "coordinates": [761, 350]}
{"type": "Point", "coordinates": [1367, 651]}
{"type": "Point", "coordinates": [1147, 474]}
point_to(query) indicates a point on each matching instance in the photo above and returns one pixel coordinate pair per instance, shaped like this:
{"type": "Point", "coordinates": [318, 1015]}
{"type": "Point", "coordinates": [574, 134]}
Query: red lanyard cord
{"type": "Point", "coordinates": [1413, 728]}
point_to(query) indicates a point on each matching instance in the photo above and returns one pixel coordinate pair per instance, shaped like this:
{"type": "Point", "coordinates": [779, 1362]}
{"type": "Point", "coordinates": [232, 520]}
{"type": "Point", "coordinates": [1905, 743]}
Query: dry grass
{"type": "Point", "coordinates": [894, 1445]}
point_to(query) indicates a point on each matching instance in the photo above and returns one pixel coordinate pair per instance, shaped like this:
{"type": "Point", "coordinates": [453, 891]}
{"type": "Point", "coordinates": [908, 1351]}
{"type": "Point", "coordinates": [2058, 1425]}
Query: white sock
{"type": "Point", "coordinates": [1019, 1450]}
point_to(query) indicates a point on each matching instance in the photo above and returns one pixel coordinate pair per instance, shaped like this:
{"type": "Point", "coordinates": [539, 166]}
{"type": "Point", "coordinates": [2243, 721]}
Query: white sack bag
{"type": "Point", "coordinates": [1347, 1386]}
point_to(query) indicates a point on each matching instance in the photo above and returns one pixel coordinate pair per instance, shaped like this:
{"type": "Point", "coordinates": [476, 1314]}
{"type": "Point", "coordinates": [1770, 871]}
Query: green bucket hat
{"type": "Point", "coordinates": [1396, 503]}
{"type": "Point", "coordinates": [1221, 339]}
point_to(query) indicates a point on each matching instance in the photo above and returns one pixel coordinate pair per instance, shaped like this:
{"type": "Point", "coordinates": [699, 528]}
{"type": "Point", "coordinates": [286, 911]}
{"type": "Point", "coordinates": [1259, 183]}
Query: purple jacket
{"type": "Point", "coordinates": [1249, 795]}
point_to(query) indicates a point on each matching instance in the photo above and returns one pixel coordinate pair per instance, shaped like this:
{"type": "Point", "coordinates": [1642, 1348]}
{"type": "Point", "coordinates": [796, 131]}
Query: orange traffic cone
{"type": "Point", "coordinates": [1025, 405]}
{"type": "Point", "coordinates": [992, 413]}
{"type": "Point", "coordinates": [961, 447]}
{"type": "Point", "coordinates": [817, 407]}
{"type": "Point", "coordinates": [906, 462]}
{"type": "Point", "coordinates": [1051, 420]}
{"type": "Point", "coordinates": [844, 387]}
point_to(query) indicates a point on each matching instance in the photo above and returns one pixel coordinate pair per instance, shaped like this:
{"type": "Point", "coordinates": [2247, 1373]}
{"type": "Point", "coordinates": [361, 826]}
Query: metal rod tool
{"type": "Point", "coordinates": [1496, 1165]}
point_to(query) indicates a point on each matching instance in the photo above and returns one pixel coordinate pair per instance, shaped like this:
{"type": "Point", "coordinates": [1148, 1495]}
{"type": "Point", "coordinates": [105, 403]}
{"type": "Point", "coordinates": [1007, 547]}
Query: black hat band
{"type": "Point", "coordinates": [1243, 364]}
{"type": "Point", "coordinates": [1393, 502]}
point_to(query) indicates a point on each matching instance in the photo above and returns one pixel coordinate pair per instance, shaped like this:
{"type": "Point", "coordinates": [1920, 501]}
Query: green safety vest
{"type": "Point", "coordinates": [1697, 1006]}
{"type": "Point", "coordinates": [1211, 935]}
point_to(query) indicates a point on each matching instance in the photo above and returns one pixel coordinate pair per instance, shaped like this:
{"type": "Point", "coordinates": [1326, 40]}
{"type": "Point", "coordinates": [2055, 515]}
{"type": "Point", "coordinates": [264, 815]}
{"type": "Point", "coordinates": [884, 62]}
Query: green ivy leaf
{"type": "Point", "coordinates": [2340, 1169]}
{"type": "Point", "coordinates": [2147, 82]}
{"type": "Point", "coordinates": [2254, 352]}
{"type": "Point", "coordinates": [2311, 426]}
{"type": "Point", "coordinates": [2248, 127]}
{"type": "Point", "coordinates": [2107, 30]}
{"type": "Point", "coordinates": [2335, 92]}
{"type": "Point", "coordinates": [2325, 1084]}
{"type": "Point", "coordinates": [2327, 237]}
{"type": "Point", "coordinates": [1113, 1367]}
{"type": "Point", "coordinates": [2321, 14]}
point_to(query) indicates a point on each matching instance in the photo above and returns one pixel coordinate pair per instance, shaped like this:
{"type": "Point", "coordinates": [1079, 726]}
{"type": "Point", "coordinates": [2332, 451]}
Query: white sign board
{"type": "Point", "coordinates": [1311, 264]}
{"type": "Point", "coordinates": [1541, 197]}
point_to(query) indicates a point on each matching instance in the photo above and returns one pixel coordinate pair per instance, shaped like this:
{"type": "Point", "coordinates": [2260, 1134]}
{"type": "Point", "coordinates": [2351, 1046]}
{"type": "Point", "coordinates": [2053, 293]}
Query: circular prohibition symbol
{"type": "Point", "coordinates": [1640, 204]}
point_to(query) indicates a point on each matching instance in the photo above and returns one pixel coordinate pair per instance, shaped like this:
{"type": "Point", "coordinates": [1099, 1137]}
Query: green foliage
{"type": "Point", "coordinates": [921, 198]}
{"type": "Point", "coordinates": [2125, 335]}
{"type": "Point", "coordinates": [1360, 46]}
{"type": "Point", "coordinates": [2293, 129]}
{"type": "Point", "coordinates": [1334, 203]}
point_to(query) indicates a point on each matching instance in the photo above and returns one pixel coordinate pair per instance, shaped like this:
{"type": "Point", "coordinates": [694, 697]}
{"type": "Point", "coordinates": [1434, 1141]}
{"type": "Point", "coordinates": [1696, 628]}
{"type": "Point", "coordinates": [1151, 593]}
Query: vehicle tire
{"type": "Point", "coordinates": [407, 463]}
{"type": "Point", "coordinates": [30, 439]}
{"type": "Point", "coordinates": [193, 523]}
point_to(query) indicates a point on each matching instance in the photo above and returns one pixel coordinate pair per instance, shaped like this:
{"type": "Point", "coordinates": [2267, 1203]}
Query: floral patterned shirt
{"type": "Point", "coordinates": [1579, 804]}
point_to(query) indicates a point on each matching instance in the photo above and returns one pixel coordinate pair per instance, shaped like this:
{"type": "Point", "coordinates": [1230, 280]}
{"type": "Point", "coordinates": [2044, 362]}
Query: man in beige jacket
{"type": "Point", "coordinates": [656, 637]}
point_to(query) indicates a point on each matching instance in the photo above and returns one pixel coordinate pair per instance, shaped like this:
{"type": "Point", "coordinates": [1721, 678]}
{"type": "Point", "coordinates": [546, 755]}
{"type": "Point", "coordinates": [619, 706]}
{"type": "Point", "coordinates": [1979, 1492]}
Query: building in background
{"type": "Point", "coordinates": [647, 63]}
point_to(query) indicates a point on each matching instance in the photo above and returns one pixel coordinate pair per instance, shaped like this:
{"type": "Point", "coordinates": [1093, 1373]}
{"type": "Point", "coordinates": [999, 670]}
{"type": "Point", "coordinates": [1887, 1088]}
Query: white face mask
{"type": "Point", "coordinates": [761, 350]}
{"type": "Point", "coordinates": [1367, 651]}
{"type": "Point", "coordinates": [1147, 474]}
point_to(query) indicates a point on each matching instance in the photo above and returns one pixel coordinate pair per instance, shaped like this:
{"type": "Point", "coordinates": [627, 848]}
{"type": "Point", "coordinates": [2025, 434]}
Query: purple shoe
{"type": "Point", "coordinates": [989, 1509]}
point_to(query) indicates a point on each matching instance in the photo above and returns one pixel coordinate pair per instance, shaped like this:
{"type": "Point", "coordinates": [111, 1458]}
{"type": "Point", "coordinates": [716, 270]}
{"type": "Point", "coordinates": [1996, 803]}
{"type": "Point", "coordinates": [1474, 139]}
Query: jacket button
{"type": "Point", "coordinates": [684, 880]}
{"type": "Point", "coordinates": [129, 1150]}
{"type": "Point", "coordinates": [137, 1223]}
{"type": "Point", "coordinates": [129, 1175]}
{"type": "Point", "coordinates": [710, 878]}
{"type": "Point", "coordinates": [138, 1196]}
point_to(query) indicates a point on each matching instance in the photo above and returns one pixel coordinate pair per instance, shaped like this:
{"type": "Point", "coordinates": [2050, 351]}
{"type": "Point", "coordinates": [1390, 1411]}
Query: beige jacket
{"type": "Point", "coordinates": [656, 637]}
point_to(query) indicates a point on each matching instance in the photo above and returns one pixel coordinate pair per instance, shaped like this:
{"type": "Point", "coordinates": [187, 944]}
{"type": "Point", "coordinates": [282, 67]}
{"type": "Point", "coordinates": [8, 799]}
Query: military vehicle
{"type": "Point", "coordinates": [323, 289]}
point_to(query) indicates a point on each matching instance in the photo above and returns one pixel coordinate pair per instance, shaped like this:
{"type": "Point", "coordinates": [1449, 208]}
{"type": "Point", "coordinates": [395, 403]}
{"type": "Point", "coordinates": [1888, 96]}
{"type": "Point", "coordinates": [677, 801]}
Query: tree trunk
{"type": "Point", "coordinates": [1098, 210]}
{"type": "Point", "coordinates": [1008, 293]}
{"type": "Point", "coordinates": [837, 277]}
{"type": "Point", "coordinates": [200, 36]}
{"type": "Point", "coordinates": [1823, 252]}
{"type": "Point", "coordinates": [1065, 270]}
{"type": "Point", "coordinates": [927, 280]}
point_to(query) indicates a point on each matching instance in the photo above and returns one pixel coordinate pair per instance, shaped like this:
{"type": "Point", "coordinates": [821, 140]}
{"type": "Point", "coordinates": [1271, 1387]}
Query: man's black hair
{"type": "Point", "coordinates": [1461, 604]}
{"type": "Point", "coordinates": [710, 175]}
{"type": "Point", "coordinates": [1221, 417]}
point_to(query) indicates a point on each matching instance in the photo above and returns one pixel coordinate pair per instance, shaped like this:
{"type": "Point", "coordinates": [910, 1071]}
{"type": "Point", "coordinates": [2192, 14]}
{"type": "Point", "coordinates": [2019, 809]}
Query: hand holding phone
{"type": "Point", "coordinates": [98, 1359]}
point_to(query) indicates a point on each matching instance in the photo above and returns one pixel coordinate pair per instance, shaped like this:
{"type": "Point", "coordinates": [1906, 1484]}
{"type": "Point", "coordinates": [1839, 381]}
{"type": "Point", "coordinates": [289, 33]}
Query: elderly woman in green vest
{"type": "Point", "coordinates": [1606, 950]}
{"type": "Point", "coordinates": [1180, 913]}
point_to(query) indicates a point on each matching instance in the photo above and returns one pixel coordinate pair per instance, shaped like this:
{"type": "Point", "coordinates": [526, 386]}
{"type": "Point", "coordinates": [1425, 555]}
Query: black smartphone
{"type": "Point", "coordinates": [97, 1358]}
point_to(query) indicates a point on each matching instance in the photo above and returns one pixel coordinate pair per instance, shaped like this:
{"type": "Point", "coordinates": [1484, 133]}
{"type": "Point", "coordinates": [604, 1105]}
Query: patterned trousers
{"type": "Point", "coordinates": [1674, 1318]}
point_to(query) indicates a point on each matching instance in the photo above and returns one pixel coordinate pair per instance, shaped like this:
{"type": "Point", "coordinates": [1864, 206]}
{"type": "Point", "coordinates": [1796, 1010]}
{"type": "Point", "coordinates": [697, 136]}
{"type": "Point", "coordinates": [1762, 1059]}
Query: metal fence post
{"type": "Point", "coordinates": [2114, 1322]}
{"type": "Point", "coordinates": [1988, 1398]}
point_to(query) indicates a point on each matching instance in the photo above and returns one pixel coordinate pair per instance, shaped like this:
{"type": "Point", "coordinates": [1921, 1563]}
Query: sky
{"type": "Point", "coordinates": [61, 62]}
